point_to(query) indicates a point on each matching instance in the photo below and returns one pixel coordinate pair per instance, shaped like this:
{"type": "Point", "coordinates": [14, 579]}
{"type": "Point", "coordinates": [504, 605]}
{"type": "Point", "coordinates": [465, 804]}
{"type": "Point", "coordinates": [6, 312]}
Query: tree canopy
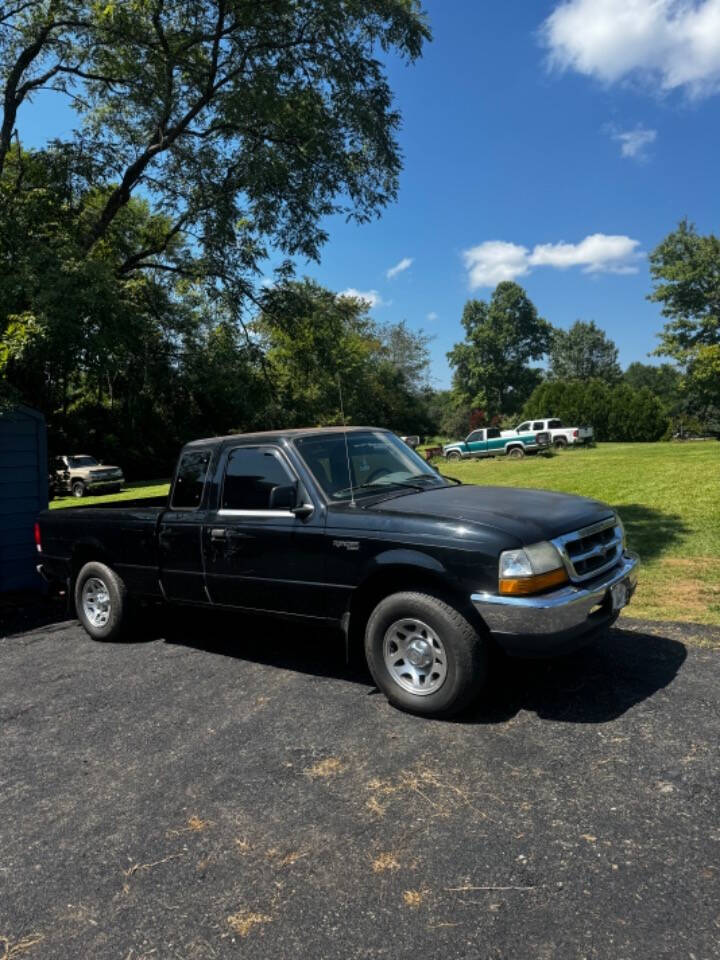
{"type": "Point", "coordinates": [492, 365]}
{"type": "Point", "coordinates": [582, 352]}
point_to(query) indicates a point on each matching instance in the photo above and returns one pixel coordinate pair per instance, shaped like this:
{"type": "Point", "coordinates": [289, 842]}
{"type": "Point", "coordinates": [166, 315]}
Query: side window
{"type": "Point", "coordinates": [524, 426]}
{"type": "Point", "coordinates": [475, 436]}
{"type": "Point", "coordinates": [493, 433]}
{"type": "Point", "coordinates": [251, 475]}
{"type": "Point", "coordinates": [538, 425]}
{"type": "Point", "coordinates": [190, 480]}
{"type": "Point", "coordinates": [554, 424]}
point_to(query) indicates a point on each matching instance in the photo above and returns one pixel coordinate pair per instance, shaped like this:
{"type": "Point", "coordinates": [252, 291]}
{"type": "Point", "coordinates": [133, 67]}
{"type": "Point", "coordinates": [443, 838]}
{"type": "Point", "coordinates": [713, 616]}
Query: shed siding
{"type": "Point", "coordinates": [23, 494]}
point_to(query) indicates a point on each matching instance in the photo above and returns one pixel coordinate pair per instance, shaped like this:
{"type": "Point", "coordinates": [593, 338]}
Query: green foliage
{"type": "Point", "coordinates": [313, 338]}
{"type": "Point", "coordinates": [686, 271]}
{"type": "Point", "coordinates": [243, 126]}
{"type": "Point", "coordinates": [491, 366]}
{"type": "Point", "coordinates": [583, 352]}
{"type": "Point", "coordinates": [665, 381]}
{"type": "Point", "coordinates": [616, 412]}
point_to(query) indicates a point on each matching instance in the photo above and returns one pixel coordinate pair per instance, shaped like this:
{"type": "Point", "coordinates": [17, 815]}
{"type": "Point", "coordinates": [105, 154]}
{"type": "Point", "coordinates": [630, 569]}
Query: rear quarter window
{"type": "Point", "coordinates": [190, 480]}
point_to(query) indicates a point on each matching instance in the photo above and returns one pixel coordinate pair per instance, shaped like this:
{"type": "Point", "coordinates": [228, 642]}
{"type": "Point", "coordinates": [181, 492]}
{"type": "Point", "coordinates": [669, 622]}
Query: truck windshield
{"type": "Point", "coordinates": [83, 462]}
{"type": "Point", "coordinates": [378, 462]}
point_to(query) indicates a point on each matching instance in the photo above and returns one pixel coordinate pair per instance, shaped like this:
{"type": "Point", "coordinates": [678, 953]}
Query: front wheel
{"type": "Point", "coordinates": [424, 654]}
{"type": "Point", "coordinates": [453, 455]}
{"type": "Point", "coordinates": [101, 601]}
{"type": "Point", "coordinates": [78, 489]}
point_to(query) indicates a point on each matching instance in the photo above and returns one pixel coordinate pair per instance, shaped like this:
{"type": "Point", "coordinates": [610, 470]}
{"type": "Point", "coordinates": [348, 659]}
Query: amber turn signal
{"type": "Point", "coordinates": [522, 586]}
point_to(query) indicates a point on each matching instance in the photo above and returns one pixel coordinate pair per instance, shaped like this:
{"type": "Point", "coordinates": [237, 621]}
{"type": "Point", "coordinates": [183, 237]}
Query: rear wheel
{"type": "Point", "coordinates": [77, 488]}
{"type": "Point", "coordinates": [516, 453]}
{"type": "Point", "coordinates": [559, 443]}
{"type": "Point", "coordinates": [424, 654]}
{"type": "Point", "coordinates": [101, 601]}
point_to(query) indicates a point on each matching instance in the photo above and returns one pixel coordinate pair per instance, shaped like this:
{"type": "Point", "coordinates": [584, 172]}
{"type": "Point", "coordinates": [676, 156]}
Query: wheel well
{"type": "Point", "coordinates": [383, 583]}
{"type": "Point", "coordinates": [85, 553]}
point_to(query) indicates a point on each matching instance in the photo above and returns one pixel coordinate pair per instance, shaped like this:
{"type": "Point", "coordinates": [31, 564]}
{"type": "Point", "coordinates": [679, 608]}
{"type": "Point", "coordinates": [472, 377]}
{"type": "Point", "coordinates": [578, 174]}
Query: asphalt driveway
{"type": "Point", "coordinates": [227, 787]}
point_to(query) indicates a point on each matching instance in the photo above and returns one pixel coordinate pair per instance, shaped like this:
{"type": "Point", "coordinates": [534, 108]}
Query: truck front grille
{"type": "Point", "coordinates": [592, 550]}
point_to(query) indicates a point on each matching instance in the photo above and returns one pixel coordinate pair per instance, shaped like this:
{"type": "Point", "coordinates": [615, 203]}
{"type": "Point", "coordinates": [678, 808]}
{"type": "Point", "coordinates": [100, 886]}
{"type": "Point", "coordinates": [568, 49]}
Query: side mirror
{"type": "Point", "coordinates": [283, 497]}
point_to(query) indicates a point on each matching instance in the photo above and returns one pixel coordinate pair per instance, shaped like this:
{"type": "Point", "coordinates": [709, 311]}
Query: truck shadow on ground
{"type": "Point", "coordinates": [649, 531]}
{"type": "Point", "coordinates": [594, 685]}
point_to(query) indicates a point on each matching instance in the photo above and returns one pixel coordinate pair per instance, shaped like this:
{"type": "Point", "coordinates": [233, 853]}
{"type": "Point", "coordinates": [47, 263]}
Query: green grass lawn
{"type": "Point", "coordinates": [668, 495]}
{"type": "Point", "coordinates": [128, 493]}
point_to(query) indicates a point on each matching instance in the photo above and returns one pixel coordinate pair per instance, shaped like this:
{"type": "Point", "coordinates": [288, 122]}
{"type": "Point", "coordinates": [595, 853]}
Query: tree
{"type": "Point", "coordinates": [315, 341]}
{"type": "Point", "coordinates": [583, 352]}
{"type": "Point", "coordinates": [244, 122]}
{"type": "Point", "coordinates": [491, 366]}
{"type": "Point", "coordinates": [686, 271]}
{"type": "Point", "coordinates": [664, 380]}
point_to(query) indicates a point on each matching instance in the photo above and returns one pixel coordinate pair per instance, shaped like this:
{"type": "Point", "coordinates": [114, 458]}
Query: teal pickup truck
{"type": "Point", "coordinates": [490, 443]}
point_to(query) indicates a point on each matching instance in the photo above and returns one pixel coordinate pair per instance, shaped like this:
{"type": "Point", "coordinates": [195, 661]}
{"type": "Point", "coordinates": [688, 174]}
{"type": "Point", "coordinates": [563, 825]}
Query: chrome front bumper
{"type": "Point", "coordinates": [551, 622]}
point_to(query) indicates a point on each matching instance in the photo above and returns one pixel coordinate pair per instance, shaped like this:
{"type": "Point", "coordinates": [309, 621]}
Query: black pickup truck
{"type": "Point", "coordinates": [352, 527]}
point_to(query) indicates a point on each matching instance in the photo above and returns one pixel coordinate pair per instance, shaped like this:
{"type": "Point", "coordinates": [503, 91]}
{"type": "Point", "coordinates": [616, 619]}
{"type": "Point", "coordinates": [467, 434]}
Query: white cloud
{"type": "Point", "coordinates": [432, 317]}
{"type": "Point", "coordinates": [634, 143]}
{"type": "Point", "coordinates": [399, 267]}
{"type": "Point", "coordinates": [491, 262]}
{"type": "Point", "coordinates": [371, 297]}
{"type": "Point", "coordinates": [598, 253]}
{"type": "Point", "coordinates": [675, 43]}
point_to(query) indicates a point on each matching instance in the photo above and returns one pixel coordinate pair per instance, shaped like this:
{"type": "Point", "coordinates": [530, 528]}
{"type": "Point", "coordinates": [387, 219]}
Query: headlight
{"type": "Point", "coordinates": [531, 569]}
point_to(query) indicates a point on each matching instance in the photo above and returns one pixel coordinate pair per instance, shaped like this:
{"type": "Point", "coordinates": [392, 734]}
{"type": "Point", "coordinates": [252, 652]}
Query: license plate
{"type": "Point", "coordinates": [619, 595]}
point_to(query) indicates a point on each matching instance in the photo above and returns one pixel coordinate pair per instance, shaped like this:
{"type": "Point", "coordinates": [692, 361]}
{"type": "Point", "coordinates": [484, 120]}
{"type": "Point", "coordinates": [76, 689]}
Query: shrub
{"type": "Point", "coordinates": [615, 412]}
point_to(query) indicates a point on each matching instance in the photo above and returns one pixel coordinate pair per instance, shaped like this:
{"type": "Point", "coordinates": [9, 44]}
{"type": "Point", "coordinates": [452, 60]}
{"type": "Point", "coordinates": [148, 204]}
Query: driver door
{"type": "Point", "coordinates": [258, 554]}
{"type": "Point", "coordinates": [476, 442]}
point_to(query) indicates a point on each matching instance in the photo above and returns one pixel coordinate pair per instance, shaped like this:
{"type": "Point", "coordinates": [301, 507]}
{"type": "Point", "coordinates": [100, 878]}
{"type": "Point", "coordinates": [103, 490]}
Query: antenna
{"type": "Point", "coordinates": [347, 451]}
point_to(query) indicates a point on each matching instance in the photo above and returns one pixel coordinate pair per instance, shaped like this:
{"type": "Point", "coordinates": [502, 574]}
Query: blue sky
{"type": "Point", "coordinates": [527, 128]}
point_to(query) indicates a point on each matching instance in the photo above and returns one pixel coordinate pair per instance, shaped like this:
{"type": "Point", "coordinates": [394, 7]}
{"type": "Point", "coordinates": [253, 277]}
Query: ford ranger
{"type": "Point", "coordinates": [353, 528]}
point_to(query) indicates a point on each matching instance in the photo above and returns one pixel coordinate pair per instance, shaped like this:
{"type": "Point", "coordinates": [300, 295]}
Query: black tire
{"type": "Point", "coordinates": [465, 651]}
{"type": "Point", "coordinates": [559, 443]}
{"type": "Point", "coordinates": [453, 455]}
{"type": "Point", "coordinates": [77, 488]}
{"type": "Point", "coordinates": [118, 601]}
{"type": "Point", "coordinates": [516, 453]}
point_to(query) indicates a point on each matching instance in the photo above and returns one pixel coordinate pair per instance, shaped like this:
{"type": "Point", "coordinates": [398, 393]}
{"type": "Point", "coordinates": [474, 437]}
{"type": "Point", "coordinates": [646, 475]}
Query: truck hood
{"type": "Point", "coordinates": [528, 515]}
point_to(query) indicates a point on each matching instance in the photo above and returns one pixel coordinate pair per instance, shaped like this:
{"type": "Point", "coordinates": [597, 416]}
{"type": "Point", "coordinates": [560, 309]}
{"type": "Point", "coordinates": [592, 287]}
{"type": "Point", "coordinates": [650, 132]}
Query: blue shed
{"type": "Point", "coordinates": [23, 493]}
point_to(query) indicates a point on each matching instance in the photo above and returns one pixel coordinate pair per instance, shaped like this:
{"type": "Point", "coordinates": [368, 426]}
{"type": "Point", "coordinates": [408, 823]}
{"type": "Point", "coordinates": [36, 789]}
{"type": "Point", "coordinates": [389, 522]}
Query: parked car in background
{"type": "Point", "coordinates": [412, 441]}
{"type": "Point", "coordinates": [79, 474]}
{"type": "Point", "coordinates": [489, 442]}
{"type": "Point", "coordinates": [560, 435]}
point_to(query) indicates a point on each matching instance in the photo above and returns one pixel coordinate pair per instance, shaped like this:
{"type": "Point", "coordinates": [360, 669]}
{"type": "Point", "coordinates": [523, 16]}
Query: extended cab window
{"type": "Point", "coordinates": [190, 480]}
{"type": "Point", "coordinates": [554, 424]}
{"type": "Point", "coordinates": [493, 433]}
{"type": "Point", "coordinates": [251, 475]}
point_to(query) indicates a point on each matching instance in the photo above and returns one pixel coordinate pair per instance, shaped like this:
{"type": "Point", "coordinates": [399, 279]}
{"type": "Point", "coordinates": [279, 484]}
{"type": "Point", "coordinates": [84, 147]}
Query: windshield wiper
{"type": "Point", "coordinates": [379, 487]}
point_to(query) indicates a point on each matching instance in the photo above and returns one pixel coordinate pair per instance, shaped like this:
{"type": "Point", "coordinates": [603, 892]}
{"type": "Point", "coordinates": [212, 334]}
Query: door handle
{"type": "Point", "coordinates": [218, 533]}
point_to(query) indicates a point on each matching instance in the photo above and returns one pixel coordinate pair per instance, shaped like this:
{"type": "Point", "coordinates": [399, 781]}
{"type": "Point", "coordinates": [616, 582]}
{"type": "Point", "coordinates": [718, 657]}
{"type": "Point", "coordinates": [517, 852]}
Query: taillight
{"type": "Point", "coordinates": [575, 433]}
{"type": "Point", "coordinates": [38, 540]}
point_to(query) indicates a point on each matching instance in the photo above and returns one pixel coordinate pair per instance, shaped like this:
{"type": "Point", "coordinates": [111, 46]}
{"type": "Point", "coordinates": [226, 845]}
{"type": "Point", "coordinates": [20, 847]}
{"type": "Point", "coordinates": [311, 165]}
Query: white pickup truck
{"type": "Point", "coordinates": [560, 435]}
